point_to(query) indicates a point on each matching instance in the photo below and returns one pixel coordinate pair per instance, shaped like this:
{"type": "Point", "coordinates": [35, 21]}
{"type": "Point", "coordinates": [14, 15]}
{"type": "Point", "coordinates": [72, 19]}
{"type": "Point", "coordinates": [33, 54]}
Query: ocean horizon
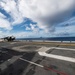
{"type": "Point", "coordinates": [50, 38]}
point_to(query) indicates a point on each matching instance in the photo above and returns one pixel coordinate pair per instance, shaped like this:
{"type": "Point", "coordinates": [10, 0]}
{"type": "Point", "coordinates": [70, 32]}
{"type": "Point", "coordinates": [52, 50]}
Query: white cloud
{"type": "Point", "coordinates": [5, 24]}
{"type": "Point", "coordinates": [1, 34]}
{"type": "Point", "coordinates": [30, 34]}
{"type": "Point", "coordinates": [10, 6]}
{"type": "Point", "coordinates": [2, 16]}
{"type": "Point", "coordinates": [33, 27]}
{"type": "Point", "coordinates": [28, 28]}
{"type": "Point", "coordinates": [65, 31]}
{"type": "Point", "coordinates": [47, 13]}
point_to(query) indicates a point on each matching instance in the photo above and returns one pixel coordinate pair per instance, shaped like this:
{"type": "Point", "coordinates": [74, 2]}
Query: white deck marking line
{"type": "Point", "coordinates": [43, 49]}
{"type": "Point", "coordinates": [62, 48]}
{"type": "Point", "coordinates": [57, 57]}
{"type": "Point", "coordinates": [31, 62]}
{"type": "Point", "coordinates": [45, 67]}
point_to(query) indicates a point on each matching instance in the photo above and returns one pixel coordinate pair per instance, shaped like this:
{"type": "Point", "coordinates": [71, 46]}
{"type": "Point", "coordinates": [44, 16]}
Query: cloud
{"type": "Point", "coordinates": [2, 16]}
{"type": "Point", "coordinates": [1, 34]}
{"type": "Point", "coordinates": [69, 22]}
{"type": "Point", "coordinates": [4, 23]}
{"type": "Point", "coordinates": [65, 31]}
{"type": "Point", "coordinates": [32, 34]}
{"type": "Point", "coordinates": [10, 6]}
{"type": "Point", "coordinates": [47, 13]}
{"type": "Point", "coordinates": [32, 27]}
{"type": "Point", "coordinates": [14, 18]}
{"type": "Point", "coordinates": [28, 28]}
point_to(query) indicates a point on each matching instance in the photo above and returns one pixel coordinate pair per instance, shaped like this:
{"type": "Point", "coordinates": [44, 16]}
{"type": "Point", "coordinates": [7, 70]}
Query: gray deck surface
{"type": "Point", "coordinates": [20, 67]}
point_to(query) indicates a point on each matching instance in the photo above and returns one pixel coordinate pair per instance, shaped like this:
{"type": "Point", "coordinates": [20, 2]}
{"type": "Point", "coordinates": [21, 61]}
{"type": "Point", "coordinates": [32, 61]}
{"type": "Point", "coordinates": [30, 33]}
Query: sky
{"type": "Point", "coordinates": [37, 18]}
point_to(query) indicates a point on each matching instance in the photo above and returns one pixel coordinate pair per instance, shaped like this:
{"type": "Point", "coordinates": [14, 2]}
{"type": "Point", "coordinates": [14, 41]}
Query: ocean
{"type": "Point", "coordinates": [50, 39]}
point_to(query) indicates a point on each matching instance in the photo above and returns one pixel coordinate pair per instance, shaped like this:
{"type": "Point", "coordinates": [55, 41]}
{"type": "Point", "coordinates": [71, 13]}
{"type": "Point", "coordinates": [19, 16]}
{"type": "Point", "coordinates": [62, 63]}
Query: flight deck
{"type": "Point", "coordinates": [37, 58]}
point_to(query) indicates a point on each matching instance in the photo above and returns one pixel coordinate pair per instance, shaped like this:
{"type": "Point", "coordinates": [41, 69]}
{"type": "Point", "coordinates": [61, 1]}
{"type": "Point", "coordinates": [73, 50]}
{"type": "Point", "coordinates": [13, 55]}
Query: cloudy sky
{"type": "Point", "coordinates": [37, 18]}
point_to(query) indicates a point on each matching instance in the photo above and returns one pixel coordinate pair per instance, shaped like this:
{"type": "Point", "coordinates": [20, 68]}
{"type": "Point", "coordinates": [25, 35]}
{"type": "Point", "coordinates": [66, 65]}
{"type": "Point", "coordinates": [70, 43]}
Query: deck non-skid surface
{"type": "Point", "coordinates": [59, 57]}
